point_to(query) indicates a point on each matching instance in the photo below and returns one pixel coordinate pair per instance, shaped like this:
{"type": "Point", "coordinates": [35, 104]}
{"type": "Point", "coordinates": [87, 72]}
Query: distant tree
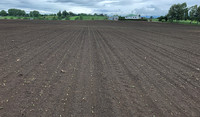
{"type": "Point", "coordinates": [34, 14]}
{"type": "Point", "coordinates": [27, 15]}
{"type": "Point", "coordinates": [172, 13]}
{"type": "Point", "coordinates": [31, 14]}
{"type": "Point", "coordinates": [101, 14]}
{"type": "Point", "coordinates": [198, 14]}
{"type": "Point", "coordinates": [72, 14]}
{"type": "Point", "coordinates": [64, 13]}
{"type": "Point", "coordinates": [186, 15]}
{"type": "Point", "coordinates": [166, 18]}
{"type": "Point", "coordinates": [160, 18]}
{"type": "Point", "coordinates": [151, 17]}
{"type": "Point", "coordinates": [193, 13]}
{"type": "Point", "coordinates": [22, 13]}
{"type": "Point", "coordinates": [16, 12]}
{"type": "Point", "coordinates": [178, 12]}
{"type": "Point", "coordinates": [3, 13]}
{"type": "Point", "coordinates": [182, 11]}
{"type": "Point", "coordinates": [11, 12]}
{"type": "Point", "coordinates": [82, 14]}
{"type": "Point", "coordinates": [59, 14]}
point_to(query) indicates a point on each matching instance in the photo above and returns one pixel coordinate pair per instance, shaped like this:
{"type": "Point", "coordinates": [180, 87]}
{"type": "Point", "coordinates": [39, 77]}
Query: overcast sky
{"type": "Point", "coordinates": [121, 7]}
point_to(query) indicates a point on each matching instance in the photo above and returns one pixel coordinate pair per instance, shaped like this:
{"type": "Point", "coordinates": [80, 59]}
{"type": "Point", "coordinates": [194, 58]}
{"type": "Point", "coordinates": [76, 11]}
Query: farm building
{"type": "Point", "coordinates": [115, 18]}
{"type": "Point", "coordinates": [132, 16]}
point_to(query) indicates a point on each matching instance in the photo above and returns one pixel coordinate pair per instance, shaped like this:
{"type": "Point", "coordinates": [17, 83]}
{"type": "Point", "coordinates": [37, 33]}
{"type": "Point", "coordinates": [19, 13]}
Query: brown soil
{"type": "Point", "coordinates": [99, 68]}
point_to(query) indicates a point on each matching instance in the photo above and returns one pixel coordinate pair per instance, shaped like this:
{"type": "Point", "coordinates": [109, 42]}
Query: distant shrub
{"type": "Point", "coordinates": [81, 17]}
{"type": "Point", "coordinates": [77, 18]}
{"type": "Point", "coordinates": [11, 18]}
{"type": "Point", "coordinates": [54, 18]}
{"type": "Point", "coordinates": [67, 18]}
{"type": "Point", "coordinates": [160, 18]}
{"type": "Point", "coordinates": [35, 18]}
{"type": "Point", "coordinates": [121, 18]}
{"type": "Point", "coordinates": [25, 18]}
{"type": "Point", "coordinates": [41, 18]}
{"type": "Point", "coordinates": [59, 18]}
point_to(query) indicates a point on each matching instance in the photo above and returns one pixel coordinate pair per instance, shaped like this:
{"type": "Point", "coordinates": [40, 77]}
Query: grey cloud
{"type": "Point", "coordinates": [93, 3]}
{"type": "Point", "coordinates": [106, 11]}
{"type": "Point", "coordinates": [77, 2]}
{"type": "Point", "coordinates": [151, 10]}
{"type": "Point", "coordinates": [146, 7]}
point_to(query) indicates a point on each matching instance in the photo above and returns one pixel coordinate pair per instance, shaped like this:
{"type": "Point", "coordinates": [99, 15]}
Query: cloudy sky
{"type": "Point", "coordinates": [110, 7]}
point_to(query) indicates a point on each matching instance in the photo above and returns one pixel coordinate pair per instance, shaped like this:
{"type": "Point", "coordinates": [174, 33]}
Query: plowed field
{"type": "Point", "coordinates": [99, 69]}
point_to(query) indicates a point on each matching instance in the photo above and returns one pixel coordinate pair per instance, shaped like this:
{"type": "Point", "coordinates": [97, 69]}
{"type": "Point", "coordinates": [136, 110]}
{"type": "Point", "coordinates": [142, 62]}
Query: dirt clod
{"type": "Point", "coordinates": [20, 75]}
{"type": "Point", "coordinates": [62, 71]}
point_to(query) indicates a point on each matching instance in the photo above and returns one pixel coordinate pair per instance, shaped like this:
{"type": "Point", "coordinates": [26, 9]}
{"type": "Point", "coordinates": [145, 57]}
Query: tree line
{"type": "Point", "coordinates": [60, 14]}
{"type": "Point", "coordinates": [66, 15]}
{"type": "Point", "coordinates": [20, 13]}
{"type": "Point", "coordinates": [182, 12]}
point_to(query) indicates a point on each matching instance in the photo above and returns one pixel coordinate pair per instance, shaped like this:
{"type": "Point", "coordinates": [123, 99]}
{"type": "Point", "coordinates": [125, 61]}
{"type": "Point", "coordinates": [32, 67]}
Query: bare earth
{"type": "Point", "coordinates": [99, 69]}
